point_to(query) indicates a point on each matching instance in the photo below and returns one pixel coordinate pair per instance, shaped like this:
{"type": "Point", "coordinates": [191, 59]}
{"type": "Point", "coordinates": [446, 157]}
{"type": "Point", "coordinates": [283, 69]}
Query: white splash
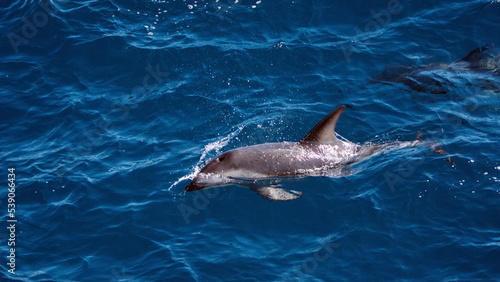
{"type": "Point", "coordinates": [207, 149]}
{"type": "Point", "coordinates": [185, 177]}
{"type": "Point", "coordinates": [216, 146]}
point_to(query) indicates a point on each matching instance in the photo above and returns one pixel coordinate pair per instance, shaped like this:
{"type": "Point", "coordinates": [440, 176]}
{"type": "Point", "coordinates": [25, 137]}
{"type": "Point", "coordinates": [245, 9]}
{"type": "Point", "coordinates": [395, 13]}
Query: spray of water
{"type": "Point", "coordinates": [207, 149]}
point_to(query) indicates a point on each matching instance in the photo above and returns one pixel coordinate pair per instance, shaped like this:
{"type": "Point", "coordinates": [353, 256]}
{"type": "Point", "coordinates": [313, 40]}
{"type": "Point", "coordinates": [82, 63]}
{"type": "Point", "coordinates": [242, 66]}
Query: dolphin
{"type": "Point", "coordinates": [260, 167]}
{"type": "Point", "coordinates": [482, 64]}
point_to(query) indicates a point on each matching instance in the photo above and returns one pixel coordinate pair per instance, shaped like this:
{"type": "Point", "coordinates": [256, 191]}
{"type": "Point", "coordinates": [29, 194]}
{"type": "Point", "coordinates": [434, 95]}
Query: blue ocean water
{"type": "Point", "coordinates": [109, 107]}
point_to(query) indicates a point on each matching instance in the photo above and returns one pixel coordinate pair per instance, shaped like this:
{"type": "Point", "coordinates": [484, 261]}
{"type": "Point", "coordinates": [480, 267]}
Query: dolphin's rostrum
{"type": "Point", "coordinates": [260, 167]}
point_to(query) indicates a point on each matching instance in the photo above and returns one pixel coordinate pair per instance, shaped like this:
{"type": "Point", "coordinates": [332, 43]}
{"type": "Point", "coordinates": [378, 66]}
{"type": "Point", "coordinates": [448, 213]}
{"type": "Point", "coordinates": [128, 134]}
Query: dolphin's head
{"type": "Point", "coordinates": [215, 173]}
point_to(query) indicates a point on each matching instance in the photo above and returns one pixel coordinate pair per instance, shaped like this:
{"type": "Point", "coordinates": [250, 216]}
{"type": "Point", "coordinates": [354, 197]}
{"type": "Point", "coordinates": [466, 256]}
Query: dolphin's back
{"type": "Point", "coordinates": [281, 159]}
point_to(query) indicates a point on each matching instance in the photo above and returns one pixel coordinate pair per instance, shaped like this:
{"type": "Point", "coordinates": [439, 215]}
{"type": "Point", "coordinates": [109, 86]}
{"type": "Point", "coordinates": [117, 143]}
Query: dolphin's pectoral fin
{"type": "Point", "coordinates": [277, 194]}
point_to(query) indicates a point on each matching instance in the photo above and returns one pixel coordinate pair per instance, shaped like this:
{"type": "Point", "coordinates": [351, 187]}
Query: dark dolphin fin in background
{"type": "Point", "coordinates": [476, 54]}
{"type": "Point", "coordinates": [324, 131]}
{"type": "Point", "coordinates": [482, 58]}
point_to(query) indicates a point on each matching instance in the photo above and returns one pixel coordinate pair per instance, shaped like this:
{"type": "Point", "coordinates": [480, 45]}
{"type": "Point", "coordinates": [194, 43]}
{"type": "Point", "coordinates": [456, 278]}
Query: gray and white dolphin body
{"type": "Point", "coordinates": [319, 153]}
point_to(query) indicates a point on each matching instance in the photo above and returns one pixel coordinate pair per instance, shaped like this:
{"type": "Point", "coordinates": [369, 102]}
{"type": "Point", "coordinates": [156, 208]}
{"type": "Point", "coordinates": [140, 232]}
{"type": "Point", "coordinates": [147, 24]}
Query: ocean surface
{"type": "Point", "coordinates": [108, 109]}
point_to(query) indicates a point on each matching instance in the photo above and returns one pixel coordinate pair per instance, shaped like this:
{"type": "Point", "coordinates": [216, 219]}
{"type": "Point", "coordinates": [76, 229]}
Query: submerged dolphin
{"type": "Point", "coordinates": [319, 153]}
{"type": "Point", "coordinates": [481, 64]}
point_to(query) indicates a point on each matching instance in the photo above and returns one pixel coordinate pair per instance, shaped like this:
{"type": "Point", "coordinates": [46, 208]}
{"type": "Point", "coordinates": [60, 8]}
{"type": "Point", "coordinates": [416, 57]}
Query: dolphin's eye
{"type": "Point", "coordinates": [221, 158]}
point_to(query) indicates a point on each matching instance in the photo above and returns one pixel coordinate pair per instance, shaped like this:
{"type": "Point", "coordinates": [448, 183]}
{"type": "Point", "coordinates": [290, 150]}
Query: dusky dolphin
{"type": "Point", "coordinates": [481, 64]}
{"type": "Point", "coordinates": [319, 153]}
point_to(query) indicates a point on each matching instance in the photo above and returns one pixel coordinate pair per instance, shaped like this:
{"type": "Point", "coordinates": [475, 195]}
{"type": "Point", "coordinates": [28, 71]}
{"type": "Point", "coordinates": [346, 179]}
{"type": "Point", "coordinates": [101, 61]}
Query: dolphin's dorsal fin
{"type": "Point", "coordinates": [476, 55]}
{"type": "Point", "coordinates": [324, 131]}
